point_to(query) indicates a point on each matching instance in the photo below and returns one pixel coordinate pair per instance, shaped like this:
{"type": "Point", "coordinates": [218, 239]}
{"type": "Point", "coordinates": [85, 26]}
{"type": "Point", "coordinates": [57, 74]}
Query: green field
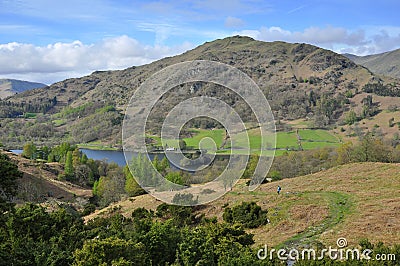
{"type": "Point", "coordinates": [96, 145]}
{"type": "Point", "coordinates": [217, 135]}
{"type": "Point", "coordinates": [59, 122]}
{"type": "Point", "coordinates": [30, 115]}
{"type": "Point", "coordinates": [285, 141]}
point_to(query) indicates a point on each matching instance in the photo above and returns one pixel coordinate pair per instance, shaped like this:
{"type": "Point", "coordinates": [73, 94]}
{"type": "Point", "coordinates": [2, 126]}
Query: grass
{"type": "Point", "coordinates": [285, 141]}
{"type": "Point", "coordinates": [193, 143]}
{"type": "Point", "coordinates": [96, 145]}
{"type": "Point", "coordinates": [339, 205]}
{"type": "Point", "coordinates": [59, 122]}
{"type": "Point", "coordinates": [30, 115]}
{"type": "Point", "coordinates": [217, 135]}
{"type": "Point", "coordinates": [311, 139]}
{"type": "Point", "coordinates": [317, 135]}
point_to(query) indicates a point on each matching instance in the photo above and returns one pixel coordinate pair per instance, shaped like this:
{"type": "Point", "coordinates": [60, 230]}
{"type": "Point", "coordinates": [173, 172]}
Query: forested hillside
{"type": "Point", "coordinates": [300, 81]}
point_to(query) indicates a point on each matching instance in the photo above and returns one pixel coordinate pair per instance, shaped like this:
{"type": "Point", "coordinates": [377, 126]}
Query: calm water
{"type": "Point", "coordinates": [110, 156]}
{"type": "Point", "coordinates": [114, 156]}
{"type": "Point", "coordinates": [16, 151]}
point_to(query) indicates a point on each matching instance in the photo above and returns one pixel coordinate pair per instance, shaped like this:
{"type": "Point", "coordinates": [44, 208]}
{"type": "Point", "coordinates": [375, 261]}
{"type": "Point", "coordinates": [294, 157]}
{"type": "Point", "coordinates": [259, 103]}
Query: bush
{"type": "Point", "coordinates": [249, 214]}
{"type": "Point", "coordinates": [88, 209]}
{"type": "Point", "coordinates": [275, 175]}
{"type": "Point", "coordinates": [184, 199]}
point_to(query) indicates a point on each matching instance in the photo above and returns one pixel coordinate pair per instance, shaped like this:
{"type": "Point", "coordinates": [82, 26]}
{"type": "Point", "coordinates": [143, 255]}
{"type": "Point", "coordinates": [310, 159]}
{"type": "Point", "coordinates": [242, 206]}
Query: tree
{"type": "Point", "coordinates": [351, 117]}
{"type": "Point", "coordinates": [174, 177]}
{"type": "Point", "coordinates": [156, 163]}
{"type": "Point", "coordinates": [8, 182]}
{"type": "Point", "coordinates": [111, 251]}
{"type": "Point", "coordinates": [371, 149]}
{"type": "Point", "coordinates": [132, 188]}
{"type": "Point", "coordinates": [76, 157]}
{"type": "Point", "coordinates": [109, 188]}
{"type": "Point", "coordinates": [182, 144]}
{"type": "Point", "coordinates": [68, 168]}
{"type": "Point", "coordinates": [29, 150]}
{"type": "Point", "coordinates": [164, 165]}
{"type": "Point", "coordinates": [251, 166]}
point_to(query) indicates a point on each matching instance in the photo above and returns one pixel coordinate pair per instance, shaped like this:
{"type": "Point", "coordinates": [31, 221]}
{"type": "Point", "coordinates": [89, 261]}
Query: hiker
{"type": "Point", "coordinates": [279, 189]}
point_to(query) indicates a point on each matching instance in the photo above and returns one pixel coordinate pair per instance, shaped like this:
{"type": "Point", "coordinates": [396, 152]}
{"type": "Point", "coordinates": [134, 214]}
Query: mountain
{"type": "Point", "coordinates": [301, 81]}
{"type": "Point", "coordinates": [387, 64]}
{"type": "Point", "coordinates": [9, 87]}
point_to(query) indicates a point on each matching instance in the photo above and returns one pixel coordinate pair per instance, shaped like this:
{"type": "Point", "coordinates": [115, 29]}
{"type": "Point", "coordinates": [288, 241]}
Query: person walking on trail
{"type": "Point", "coordinates": [279, 189]}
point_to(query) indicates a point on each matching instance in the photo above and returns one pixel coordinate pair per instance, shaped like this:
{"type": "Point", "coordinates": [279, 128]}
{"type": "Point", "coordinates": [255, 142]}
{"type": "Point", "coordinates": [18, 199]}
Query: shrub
{"type": "Point", "coordinates": [249, 214]}
{"type": "Point", "coordinates": [184, 199]}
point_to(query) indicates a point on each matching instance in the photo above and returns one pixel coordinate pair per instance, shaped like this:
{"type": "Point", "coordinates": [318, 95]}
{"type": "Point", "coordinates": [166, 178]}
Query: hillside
{"type": "Point", "coordinates": [353, 201]}
{"type": "Point", "coordinates": [387, 64]}
{"type": "Point", "coordinates": [40, 184]}
{"type": "Point", "coordinates": [9, 87]}
{"type": "Point", "coordinates": [301, 81]}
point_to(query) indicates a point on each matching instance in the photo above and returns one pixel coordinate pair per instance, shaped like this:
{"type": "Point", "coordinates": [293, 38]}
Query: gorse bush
{"type": "Point", "coordinates": [249, 214]}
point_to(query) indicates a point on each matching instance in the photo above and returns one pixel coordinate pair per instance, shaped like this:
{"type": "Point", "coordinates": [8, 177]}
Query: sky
{"type": "Point", "coordinates": [49, 41]}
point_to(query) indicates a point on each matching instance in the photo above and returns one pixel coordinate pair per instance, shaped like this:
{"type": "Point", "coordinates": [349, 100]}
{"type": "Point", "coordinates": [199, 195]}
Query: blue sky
{"type": "Point", "coordinates": [48, 41]}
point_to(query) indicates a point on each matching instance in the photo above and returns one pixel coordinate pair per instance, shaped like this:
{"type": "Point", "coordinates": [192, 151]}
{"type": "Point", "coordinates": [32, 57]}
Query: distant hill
{"type": "Point", "coordinates": [301, 81]}
{"type": "Point", "coordinates": [387, 64]}
{"type": "Point", "coordinates": [9, 87]}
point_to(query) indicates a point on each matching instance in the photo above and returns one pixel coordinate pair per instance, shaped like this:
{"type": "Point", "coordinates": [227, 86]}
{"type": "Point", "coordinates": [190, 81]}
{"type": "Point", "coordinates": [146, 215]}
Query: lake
{"type": "Point", "coordinates": [115, 156]}
{"type": "Point", "coordinates": [110, 156]}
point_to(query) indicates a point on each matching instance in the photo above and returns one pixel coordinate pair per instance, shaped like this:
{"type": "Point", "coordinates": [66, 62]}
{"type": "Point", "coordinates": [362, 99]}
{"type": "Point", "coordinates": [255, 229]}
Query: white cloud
{"type": "Point", "coordinates": [315, 35]}
{"type": "Point", "coordinates": [232, 22]}
{"type": "Point", "coordinates": [360, 42]}
{"type": "Point", "coordinates": [63, 60]}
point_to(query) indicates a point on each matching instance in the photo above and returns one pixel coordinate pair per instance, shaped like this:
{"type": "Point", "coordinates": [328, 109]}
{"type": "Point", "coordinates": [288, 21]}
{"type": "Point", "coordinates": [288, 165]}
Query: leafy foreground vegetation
{"type": "Point", "coordinates": [31, 236]}
{"type": "Point", "coordinates": [170, 236]}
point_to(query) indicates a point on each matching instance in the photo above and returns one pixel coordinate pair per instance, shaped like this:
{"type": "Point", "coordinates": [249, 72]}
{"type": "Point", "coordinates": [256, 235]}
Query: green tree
{"type": "Point", "coordinates": [29, 150]}
{"type": "Point", "coordinates": [109, 188]}
{"type": "Point", "coordinates": [111, 251]}
{"type": "Point", "coordinates": [156, 163]}
{"type": "Point", "coordinates": [174, 177]}
{"type": "Point", "coordinates": [164, 164]}
{"type": "Point", "coordinates": [132, 188]}
{"type": "Point", "coordinates": [251, 166]}
{"type": "Point", "coordinates": [9, 174]}
{"type": "Point", "coordinates": [182, 144]}
{"type": "Point", "coordinates": [76, 157]}
{"type": "Point", "coordinates": [69, 168]}
{"type": "Point", "coordinates": [161, 242]}
{"type": "Point", "coordinates": [351, 117]}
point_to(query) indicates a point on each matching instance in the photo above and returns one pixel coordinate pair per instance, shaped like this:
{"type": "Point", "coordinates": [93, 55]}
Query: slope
{"type": "Point", "coordinates": [387, 64]}
{"type": "Point", "coordinates": [9, 87]}
{"type": "Point", "coordinates": [40, 183]}
{"type": "Point", "coordinates": [299, 80]}
{"type": "Point", "coordinates": [354, 201]}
